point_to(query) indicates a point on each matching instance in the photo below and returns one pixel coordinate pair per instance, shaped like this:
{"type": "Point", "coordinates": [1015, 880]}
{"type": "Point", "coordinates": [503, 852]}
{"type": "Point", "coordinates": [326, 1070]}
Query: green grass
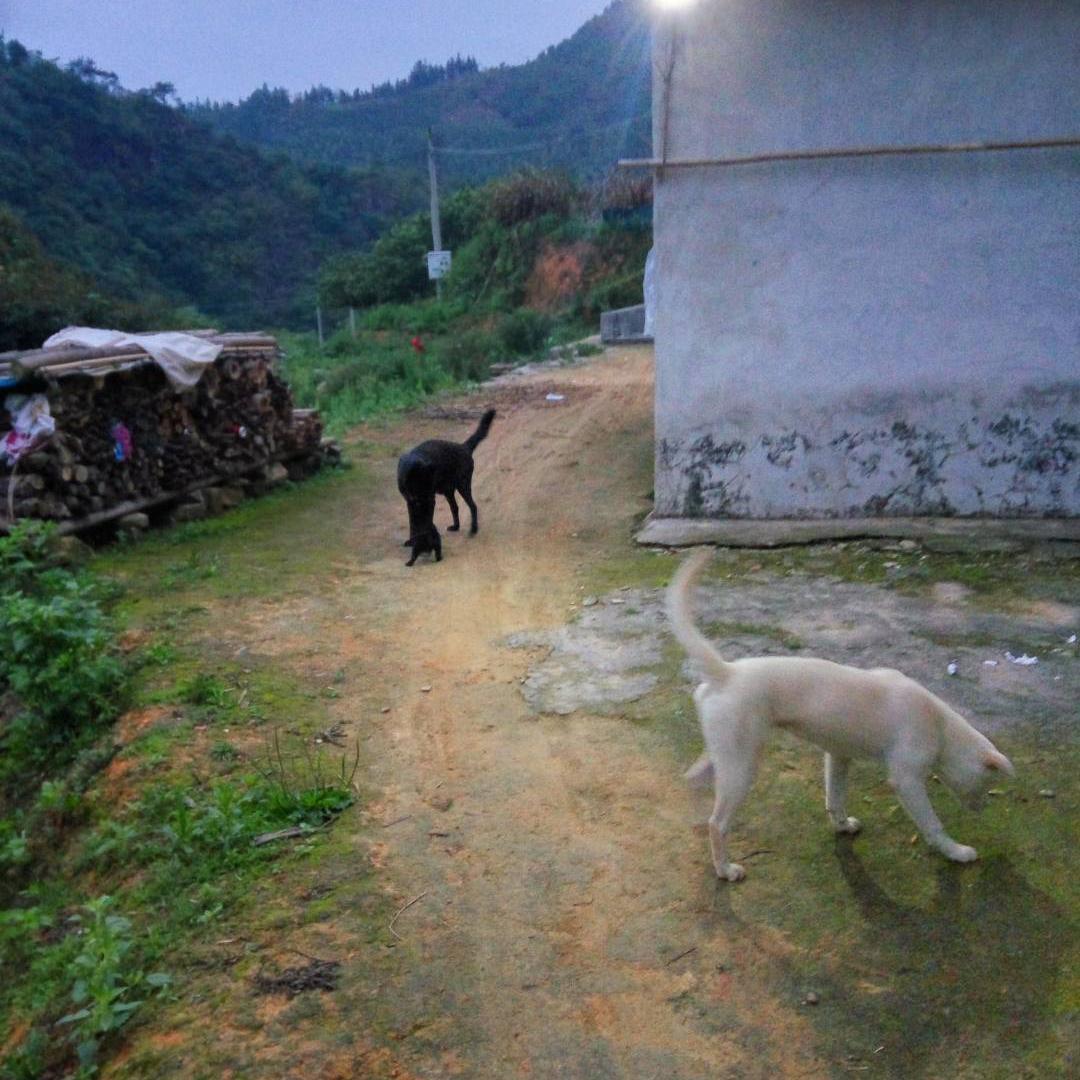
{"type": "Point", "coordinates": [178, 856]}
{"type": "Point", "coordinates": [996, 579]}
{"type": "Point", "coordinates": [228, 754]}
{"type": "Point", "coordinates": [379, 373]}
{"type": "Point", "coordinates": [265, 547]}
{"type": "Point", "coordinates": [906, 950]}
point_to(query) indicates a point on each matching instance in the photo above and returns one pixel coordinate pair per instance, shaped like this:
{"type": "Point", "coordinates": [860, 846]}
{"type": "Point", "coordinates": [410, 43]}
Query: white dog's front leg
{"type": "Point", "coordinates": [836, 773]}
{"type": "Point", "coordinates": [911, 791]}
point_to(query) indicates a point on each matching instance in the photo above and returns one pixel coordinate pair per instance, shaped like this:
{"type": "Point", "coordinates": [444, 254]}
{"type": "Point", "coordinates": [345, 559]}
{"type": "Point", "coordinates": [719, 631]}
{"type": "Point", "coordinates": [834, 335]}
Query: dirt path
{"type": "Point", "coordinates": [550, 851]}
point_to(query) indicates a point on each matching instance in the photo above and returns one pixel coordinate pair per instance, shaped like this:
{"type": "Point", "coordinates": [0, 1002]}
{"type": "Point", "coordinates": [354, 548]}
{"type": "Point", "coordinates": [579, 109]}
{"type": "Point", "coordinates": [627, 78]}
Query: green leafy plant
{"type": "Point", "coordinates": [524, 332]}
{"type": "Point", "coordinates": [58, 802]}
{"type": "Point", "coordinates": [206, 690]}
{"type": "Point", "coordinates": [224, 751]}
{"type": "Point", "coordinates": [106, 981]}
{"type": "Point", "coordinates": [57, 657]}
{"type": "Point", "coordinates": [300, 789]}
{"type": "Point", "coordinates": [27, 1062]}
{"type": "Point", "coordinates": [25, 553]}
{"type": "Point", "coordinates": [159, 654]}
{"type": "Point", "coordinates": [14, 845]}
{"type": "Point", "coordinates": [112, 843]}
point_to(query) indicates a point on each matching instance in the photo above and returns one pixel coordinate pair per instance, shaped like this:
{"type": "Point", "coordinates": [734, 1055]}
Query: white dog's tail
{"type": "Point", "coordinates": [682, 621]}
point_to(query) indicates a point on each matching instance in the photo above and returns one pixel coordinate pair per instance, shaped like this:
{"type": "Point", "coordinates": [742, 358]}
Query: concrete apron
{"type": "Point", "coordinates": [964, 533]}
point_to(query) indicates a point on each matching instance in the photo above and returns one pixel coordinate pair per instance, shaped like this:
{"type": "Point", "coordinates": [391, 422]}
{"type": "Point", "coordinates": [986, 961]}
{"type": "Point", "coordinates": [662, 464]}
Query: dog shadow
{"type": "Point", "coordinates": [977, 965]}
{"type": "Point", "coordinates": [909, 987]}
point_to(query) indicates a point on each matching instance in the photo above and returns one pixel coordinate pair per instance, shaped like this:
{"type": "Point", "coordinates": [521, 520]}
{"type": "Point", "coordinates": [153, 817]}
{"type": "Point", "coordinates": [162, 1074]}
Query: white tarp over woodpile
{"type": "Point", "coordinates": [182, 357]}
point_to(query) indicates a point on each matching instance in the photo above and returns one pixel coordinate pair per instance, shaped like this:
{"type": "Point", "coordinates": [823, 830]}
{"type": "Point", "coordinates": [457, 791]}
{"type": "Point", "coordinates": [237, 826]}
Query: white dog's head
{"type": "Point", "coordinates": [971, 764]}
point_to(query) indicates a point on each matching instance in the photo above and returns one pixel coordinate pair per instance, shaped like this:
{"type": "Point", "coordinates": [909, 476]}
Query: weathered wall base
{"type": "Point", "coordinates": [1012, 459]}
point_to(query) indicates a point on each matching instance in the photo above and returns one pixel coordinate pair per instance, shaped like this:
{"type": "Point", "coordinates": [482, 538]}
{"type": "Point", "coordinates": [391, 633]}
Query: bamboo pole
{"type": "Point", "coordinates": [61, 362]}
{"type": "Point", "coordinates": [35, 359]}
{"type": "Point", "coordinates": [46, 358]}
{"type": "Point", "coordinates": [848, 152]}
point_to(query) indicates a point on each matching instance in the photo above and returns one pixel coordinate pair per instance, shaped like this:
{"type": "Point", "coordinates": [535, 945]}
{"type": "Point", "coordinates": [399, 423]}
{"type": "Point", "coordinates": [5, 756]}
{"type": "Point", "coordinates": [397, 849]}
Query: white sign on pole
{"type": "Point", "coordinates": [438, 264]}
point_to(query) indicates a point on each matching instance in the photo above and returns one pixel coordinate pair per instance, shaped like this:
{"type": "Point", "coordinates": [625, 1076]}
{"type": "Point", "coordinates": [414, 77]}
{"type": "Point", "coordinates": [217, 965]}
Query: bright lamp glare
{"type": "Point", "coordinates": [672, 5]}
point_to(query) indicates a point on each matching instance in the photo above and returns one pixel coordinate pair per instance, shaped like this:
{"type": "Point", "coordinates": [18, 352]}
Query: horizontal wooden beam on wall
{"type": "Point", "coordinates": [849, 152]}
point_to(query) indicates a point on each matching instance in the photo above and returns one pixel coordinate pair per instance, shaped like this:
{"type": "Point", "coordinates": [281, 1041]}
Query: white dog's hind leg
{"type": "Point", "coordinates": [836, 773]}
{"type": "Point", "coordinates": [734, 751]}
{"type": "Point", "coordinates": [911, 791]}
{"type": "Point", "coordinates": [727, 802]}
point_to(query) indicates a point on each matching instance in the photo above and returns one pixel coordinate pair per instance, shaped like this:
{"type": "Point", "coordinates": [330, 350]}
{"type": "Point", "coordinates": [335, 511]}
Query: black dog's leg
{"type": "Point", "coordinates": [475, 527]}
{"type": "Point", "coordinates": [466, 494]}
{"type": "Point", "coordinates": [453, 510]}
{"type": "Point", "coordinates": [425, 537]}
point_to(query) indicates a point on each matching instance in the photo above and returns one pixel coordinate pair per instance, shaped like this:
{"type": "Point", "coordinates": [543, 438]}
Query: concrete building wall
{"type": "Point", "coordinates": [868, 336]}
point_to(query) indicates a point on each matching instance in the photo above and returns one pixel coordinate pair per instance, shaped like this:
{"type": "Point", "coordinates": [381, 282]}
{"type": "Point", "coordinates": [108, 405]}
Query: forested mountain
{"type": "Point", "coordinates": [580, 105]}
{"type": "Point", "coordinates": [118, 206]}
{"type": "Point", "coordinates": [153, 206]}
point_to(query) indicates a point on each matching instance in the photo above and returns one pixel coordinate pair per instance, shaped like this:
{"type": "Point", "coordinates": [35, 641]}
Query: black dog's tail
{"type": "Point", "coordinates": [480, 434]}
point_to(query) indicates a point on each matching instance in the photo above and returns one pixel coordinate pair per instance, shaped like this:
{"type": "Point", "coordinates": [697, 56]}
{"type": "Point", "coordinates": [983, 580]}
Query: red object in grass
{"type": "Point", "coordinates": [417, 344]}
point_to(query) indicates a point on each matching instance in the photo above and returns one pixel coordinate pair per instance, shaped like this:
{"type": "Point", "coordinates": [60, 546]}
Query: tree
{"type": "Point", "coordinates": [160, 92]}
{"type": "Point", "coordinates": [84, 68]}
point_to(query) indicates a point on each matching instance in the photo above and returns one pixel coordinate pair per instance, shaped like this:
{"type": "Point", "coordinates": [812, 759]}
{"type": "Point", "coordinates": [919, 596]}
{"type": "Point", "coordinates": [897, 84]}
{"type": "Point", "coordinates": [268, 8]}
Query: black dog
{"type": "Point", "coordinates": [438, 467]}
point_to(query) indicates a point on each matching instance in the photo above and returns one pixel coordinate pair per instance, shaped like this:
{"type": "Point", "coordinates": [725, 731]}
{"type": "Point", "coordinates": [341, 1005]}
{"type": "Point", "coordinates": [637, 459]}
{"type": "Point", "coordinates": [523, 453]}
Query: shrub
{"type": "Point", "coordinates": [426, 317]}
{"type": "Point", "coordinates": [57, 657]}
{"type": "Point", "coordinates": [468, 356]}
{"type": "Point", "coordinates": [531, 194]}
{"type": "Point", "coordinates": [620, 292]}
{"type": "Point", "coordinates": [524, 332]}
{"type": "Point", "coordinates": [624, 191]}
{"type": "Point", "coordinates": [25, 553]}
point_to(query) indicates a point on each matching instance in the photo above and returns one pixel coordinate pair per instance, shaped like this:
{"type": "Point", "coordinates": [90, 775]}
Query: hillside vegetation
{"type": "Point", "coordinates": [38, 294]}
{"type": "Point", "coordinates": [152, 207]}
{"type": "Point", "coordinates": [119, 209]}
{"type": "Point", "coordinates": [536, 259]}
{"type": "Point", "coordinates": [579, 106]}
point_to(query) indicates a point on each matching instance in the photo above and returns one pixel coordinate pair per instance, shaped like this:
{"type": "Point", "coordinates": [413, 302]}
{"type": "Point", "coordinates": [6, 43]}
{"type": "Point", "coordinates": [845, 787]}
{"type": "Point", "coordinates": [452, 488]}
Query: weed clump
{"type": "Point", "coordinates": [61, 679]}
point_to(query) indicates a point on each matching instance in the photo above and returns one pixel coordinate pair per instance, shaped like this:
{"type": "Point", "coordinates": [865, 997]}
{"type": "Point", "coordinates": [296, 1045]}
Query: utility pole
{"type": "Point", "coordinates": [436, 225]}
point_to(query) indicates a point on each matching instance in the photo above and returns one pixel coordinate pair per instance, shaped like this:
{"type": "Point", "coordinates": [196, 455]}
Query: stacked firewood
{"type": "Point", "coordinates": [126, 440]}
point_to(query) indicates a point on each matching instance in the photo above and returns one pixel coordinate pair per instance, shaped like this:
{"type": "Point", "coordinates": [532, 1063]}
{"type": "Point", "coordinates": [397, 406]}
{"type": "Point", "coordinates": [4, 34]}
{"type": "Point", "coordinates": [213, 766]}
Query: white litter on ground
{"type": "Point", "coordinates": [1024, 660]}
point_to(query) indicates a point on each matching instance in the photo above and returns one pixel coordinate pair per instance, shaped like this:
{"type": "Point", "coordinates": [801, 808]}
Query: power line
{"type": "Point", "coordinates": [493, 151]}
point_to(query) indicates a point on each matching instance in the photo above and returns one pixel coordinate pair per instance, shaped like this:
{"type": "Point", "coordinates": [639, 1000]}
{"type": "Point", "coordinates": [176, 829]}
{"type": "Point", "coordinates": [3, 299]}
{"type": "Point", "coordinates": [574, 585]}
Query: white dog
{"type": "Point", "coordinates": [846, 711]}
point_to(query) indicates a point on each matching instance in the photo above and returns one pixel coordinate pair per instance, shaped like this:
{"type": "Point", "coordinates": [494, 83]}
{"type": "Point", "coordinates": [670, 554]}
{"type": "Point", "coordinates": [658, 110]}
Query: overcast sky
{"type": "Point", "coordinates": [224, 49]}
